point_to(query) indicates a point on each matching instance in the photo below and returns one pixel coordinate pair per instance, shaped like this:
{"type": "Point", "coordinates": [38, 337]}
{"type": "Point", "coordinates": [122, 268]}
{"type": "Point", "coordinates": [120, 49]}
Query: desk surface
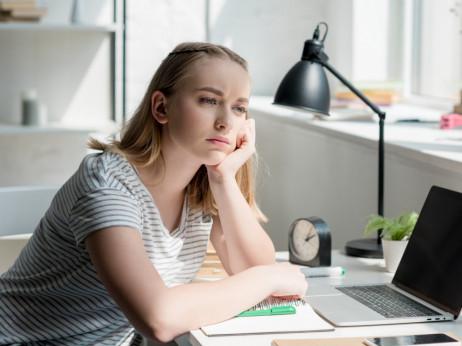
{"type": "Point", "coordinates": [357, 270]}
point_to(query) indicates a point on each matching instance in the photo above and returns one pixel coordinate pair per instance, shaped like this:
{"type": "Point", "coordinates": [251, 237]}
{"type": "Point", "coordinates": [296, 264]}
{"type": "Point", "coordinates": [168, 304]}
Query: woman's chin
{"type": "Point", "coordinates": [214, 160]}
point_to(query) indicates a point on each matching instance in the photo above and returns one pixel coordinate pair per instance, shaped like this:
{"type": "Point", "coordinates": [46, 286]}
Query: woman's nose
{"type": "Point", "coordinates": [224, 118]}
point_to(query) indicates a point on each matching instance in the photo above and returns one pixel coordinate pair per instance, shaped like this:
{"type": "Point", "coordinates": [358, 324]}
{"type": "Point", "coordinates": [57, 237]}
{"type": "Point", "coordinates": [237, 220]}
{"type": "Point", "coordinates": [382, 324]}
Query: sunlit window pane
{"type": "Point", "coordinates": [438, 56]}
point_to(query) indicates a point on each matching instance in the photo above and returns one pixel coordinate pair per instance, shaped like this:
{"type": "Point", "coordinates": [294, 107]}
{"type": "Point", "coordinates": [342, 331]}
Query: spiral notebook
{"type": "Point", "coordinates": [304, 320]}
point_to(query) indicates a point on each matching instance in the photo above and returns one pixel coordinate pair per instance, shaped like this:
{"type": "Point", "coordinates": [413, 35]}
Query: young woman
{"type": "Point", "coordinates": [123, 238]}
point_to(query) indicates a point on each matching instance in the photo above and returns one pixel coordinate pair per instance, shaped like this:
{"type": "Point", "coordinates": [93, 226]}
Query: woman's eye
{"type": "Point", "coordinates": [241, 109]}
{"type": "Point", "coordinates": [208, 101]}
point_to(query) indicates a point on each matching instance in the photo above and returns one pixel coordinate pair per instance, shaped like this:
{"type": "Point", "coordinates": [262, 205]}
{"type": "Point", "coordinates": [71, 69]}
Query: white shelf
{"type": "Point", "coordinates": [58, 128]}
{"type": "Point", "coordinates": [63, 27]}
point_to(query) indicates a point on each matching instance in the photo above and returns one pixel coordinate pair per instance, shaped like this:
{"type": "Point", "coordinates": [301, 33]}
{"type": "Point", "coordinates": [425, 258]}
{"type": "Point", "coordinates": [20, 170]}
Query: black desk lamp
{"type": "Point", "coordinates": [305, 86]}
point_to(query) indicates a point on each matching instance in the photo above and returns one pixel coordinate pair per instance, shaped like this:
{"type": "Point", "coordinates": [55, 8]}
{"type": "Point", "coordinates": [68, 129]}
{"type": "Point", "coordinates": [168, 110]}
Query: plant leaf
{"type": "Point", "coordinates": [392, 228]}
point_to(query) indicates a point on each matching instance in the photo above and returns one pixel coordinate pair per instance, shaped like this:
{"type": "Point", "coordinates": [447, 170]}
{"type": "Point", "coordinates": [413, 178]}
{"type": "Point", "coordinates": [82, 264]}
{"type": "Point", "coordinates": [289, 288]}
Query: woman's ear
{"type": "Point", "coordinates": [158, 107]}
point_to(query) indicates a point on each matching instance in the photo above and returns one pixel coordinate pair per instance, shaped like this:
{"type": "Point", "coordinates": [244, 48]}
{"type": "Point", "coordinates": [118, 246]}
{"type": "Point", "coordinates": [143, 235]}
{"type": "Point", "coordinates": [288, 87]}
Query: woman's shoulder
{"type": "Point", "coordinates": [107, 158]}
{"type": "Point", "coordinates": [106, 169]}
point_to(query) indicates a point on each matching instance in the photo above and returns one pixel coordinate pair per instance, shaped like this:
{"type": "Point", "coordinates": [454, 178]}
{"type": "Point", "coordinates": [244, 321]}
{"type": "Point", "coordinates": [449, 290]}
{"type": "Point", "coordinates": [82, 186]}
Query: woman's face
{"type": "Point", "coordinates": [207, 113]}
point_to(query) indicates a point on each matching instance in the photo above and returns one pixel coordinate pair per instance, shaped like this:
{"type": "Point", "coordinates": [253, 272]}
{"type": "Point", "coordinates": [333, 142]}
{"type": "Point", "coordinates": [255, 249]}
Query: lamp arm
{"type": "Point", "coordinates": [354, 90]}
{"type": "Point", "coordinates": [381, 133]}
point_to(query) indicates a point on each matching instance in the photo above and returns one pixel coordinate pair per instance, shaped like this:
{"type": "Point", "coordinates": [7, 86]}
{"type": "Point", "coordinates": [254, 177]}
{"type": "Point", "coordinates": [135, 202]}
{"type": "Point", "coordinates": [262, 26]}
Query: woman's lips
{"type": "Point", "coordinates": [219, 141]}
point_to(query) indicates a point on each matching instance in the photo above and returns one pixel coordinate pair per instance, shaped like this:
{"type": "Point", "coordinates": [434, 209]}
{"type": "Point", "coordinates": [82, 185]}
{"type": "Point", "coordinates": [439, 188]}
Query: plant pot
{"type": "Point", "coordinates": [392, 252]}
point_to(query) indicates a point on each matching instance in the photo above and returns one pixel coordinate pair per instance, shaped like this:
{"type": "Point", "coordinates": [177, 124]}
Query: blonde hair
{"type": "Point", "coordinates": [140, 138]}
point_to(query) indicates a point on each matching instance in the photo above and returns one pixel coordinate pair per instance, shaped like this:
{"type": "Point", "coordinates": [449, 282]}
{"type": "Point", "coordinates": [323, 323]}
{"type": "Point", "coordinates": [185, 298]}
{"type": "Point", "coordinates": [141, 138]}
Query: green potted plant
{"type": "Point", "coordinates": [395, 233]}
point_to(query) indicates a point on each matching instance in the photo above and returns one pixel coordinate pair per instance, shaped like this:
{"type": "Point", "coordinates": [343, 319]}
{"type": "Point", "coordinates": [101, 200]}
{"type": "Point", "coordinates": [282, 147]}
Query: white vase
{"type": "Point", "coordinates": [392, 252]}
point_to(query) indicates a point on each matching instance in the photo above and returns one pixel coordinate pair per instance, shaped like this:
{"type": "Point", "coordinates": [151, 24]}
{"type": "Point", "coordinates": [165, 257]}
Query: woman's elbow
{"type": "Point", "coordinates": [161, 329]}
{"type": "Point", "coordinates": [160, 333]}
{"type": "Point", "coordinates": [161, 336]}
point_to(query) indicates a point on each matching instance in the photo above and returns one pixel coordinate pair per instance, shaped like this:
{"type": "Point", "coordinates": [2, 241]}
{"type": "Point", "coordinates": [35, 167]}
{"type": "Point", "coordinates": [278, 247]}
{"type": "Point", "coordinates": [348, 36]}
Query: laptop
{"type": "Point", "coordinates": [429, 274]}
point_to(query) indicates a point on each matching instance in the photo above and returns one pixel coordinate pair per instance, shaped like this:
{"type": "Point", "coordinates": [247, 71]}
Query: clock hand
{"type": "Point", "coordinates": [309, 237]}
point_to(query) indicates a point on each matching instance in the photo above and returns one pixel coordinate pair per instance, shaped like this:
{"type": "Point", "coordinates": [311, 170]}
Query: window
{"type": "Point", "coordinates": [435, 49]}
{"type": "Point", "coordinates": [411, 46]}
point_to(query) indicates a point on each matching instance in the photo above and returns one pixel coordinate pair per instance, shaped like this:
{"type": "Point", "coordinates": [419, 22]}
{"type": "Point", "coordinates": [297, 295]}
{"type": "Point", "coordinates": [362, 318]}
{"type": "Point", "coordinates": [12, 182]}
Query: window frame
{"type": "Point", "coordinates": [412, 80]}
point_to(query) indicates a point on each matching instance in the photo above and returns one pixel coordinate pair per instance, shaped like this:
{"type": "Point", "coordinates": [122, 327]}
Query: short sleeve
{"type": "Point", "coordinates": [104, 208]}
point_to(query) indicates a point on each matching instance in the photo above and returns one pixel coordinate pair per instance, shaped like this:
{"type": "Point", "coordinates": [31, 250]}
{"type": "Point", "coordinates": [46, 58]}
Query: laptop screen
{"type": "Point", "coordinates": [431, 267]}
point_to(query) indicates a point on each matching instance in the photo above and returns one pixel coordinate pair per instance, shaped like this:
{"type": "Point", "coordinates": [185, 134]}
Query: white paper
{"type": "Point", "coordinates": [304, 320]}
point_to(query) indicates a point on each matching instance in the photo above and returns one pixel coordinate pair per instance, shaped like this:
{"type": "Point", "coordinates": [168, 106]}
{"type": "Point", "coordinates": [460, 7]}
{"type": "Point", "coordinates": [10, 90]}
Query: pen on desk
{"type": "Point", "coordinates": [278, 310]}
{"type": "Point", "coordinates": [323, 272]}
{"type": "Point", "coordinates": [409, 120]}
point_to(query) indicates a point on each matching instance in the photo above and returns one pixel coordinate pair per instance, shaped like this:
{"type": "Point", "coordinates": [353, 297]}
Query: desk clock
{"type": "Point", "coordinates": [310, 242]}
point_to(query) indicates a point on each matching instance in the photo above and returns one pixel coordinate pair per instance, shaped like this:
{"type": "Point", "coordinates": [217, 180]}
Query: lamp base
{"type": "Point", "coordinates": [369, 248]}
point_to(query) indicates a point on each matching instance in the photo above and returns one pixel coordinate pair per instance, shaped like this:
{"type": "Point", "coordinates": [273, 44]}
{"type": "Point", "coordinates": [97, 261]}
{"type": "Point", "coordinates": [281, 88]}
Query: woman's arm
{"type": "Point", "coordinates": [162, 313]}
{"type": "Point", "coordinates": [237, 235]}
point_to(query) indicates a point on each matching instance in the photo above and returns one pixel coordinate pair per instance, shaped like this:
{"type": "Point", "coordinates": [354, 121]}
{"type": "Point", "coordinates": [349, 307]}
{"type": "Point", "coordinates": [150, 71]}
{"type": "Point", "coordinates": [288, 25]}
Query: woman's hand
{"type": "Point", "coordinates": [245, 148]}
{"type": "Point", "coordinates": [289, 281]}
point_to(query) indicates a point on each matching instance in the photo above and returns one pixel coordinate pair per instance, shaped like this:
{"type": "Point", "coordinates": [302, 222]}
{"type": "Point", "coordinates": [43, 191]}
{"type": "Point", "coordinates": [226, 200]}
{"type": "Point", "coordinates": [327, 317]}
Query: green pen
{"type": "Point", "coordinates": [278, 310]}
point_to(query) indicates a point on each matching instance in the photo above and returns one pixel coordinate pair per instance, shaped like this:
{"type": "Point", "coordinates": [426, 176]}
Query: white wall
{"type": "Point", "coordinates": [370, 40]}
{"type": "Point", "coordinates": [40, 157]}
{"type": "Point", "coordinates": [154, 28]}
{"type": "Point", "coordinates": [307, 173]}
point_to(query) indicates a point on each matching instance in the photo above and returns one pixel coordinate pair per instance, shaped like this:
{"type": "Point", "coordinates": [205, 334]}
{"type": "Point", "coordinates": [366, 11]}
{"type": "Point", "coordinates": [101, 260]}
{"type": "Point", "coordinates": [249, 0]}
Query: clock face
{"type": "Point", "coordinates": [305, 240]}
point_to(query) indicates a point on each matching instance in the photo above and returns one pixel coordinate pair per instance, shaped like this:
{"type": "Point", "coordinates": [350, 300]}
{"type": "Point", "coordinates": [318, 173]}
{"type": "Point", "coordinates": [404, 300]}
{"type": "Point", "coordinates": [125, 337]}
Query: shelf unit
{"type": "Point", "coordinates": [78, 71]}
{"type": "Point", "coordinates": [58, 37]}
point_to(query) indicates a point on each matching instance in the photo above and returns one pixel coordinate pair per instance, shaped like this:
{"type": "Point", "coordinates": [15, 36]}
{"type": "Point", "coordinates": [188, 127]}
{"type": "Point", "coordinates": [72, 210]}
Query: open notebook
{"type": "Point", "coordinates": [304, 320]}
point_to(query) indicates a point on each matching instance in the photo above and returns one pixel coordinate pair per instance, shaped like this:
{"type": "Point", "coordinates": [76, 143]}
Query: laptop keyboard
{"type": "Point", "coordinates": [386, 301]}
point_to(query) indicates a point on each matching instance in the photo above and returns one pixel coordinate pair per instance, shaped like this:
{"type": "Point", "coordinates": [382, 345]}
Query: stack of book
{"type": "Point", "coordinates": [20, 11]}
{"type": "Point", "coordinates": [458, 108]}
{"type": "Point", "coordinates": [376, 96]}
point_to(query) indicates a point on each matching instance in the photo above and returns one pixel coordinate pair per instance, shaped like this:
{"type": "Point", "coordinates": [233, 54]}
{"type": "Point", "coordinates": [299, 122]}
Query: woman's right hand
{"type": "Point", "coordinates": [287, 279]}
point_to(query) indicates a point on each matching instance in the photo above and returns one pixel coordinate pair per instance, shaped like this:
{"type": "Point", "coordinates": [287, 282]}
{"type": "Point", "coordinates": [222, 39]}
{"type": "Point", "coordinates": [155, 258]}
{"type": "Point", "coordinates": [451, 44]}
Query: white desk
{"type": "Point", "coordinates": [357, 270]}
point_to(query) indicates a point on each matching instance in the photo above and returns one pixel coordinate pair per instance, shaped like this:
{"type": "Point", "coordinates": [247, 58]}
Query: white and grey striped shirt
{"type": "Point", "coordinates": [52, 294]}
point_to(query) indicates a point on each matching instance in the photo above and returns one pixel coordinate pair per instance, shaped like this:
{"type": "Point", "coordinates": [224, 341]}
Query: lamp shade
{"type": "Point", "coordinates": [305, 86]}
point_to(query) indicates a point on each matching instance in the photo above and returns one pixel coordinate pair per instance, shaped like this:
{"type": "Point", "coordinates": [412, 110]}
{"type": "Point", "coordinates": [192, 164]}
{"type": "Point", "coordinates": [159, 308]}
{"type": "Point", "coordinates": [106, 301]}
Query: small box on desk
{"type": "Point", "coordinates": [449, 121]}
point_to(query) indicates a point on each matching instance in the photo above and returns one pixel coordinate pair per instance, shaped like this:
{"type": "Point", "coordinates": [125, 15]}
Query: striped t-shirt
{"type": "Point", "coordinates": [52, 294]}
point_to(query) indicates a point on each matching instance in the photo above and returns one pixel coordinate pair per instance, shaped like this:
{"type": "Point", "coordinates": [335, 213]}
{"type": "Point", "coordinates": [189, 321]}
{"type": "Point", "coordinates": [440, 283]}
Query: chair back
{"type": "Point", "coordinates": [21, 208]}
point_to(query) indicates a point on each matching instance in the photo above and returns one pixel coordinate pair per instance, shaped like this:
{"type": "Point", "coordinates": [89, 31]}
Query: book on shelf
{"type": "Point", "coordinates": [20, 11]}
{"type": "Point", "coordinates": [376, 96]}
{"type": "Point", "coordinates": [33, 12]}
{"type": "Point", "coordinates": [340, 110]}
{"type": "Point", "coordinates": [11, 4]}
